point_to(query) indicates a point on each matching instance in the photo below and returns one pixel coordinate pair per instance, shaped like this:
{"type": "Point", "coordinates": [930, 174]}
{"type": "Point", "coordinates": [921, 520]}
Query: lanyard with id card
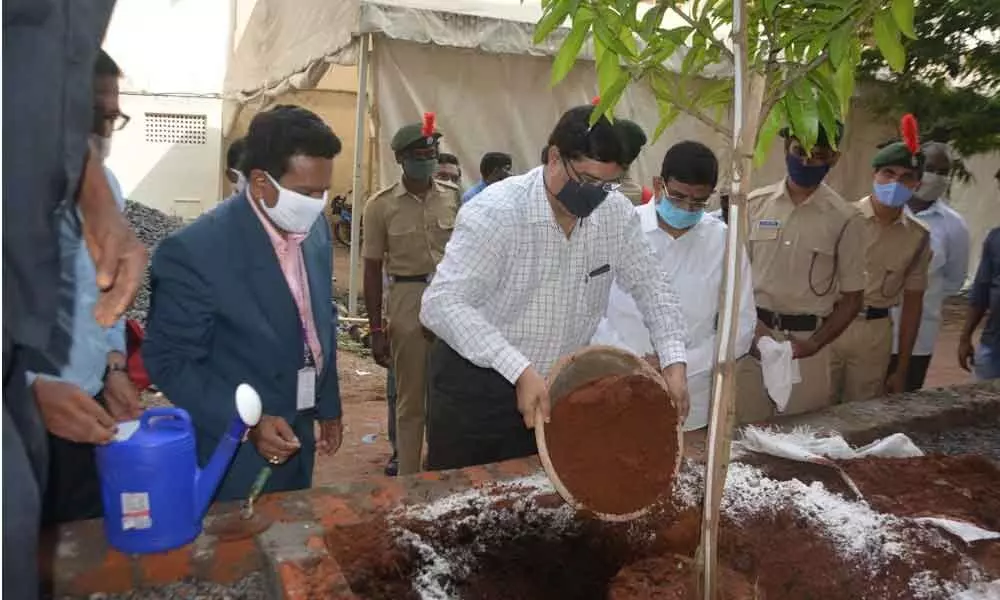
{"type": "Point", "coordinates": [305, 389]}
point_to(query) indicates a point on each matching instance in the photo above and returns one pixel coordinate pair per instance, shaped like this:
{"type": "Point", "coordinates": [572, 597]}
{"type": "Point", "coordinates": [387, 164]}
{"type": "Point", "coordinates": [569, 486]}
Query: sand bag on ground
{"type": "Point", "coordinates": [613, 445]}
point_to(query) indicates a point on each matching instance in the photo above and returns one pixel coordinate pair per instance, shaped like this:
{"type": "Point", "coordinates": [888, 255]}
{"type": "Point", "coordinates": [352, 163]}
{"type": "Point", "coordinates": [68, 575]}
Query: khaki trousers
{"type": "Point", "coordinates": [409, 345]}
{"type": "Point", "coordinates": [811, 394]}
{"type": "Point", "coordinates": [859, 360]}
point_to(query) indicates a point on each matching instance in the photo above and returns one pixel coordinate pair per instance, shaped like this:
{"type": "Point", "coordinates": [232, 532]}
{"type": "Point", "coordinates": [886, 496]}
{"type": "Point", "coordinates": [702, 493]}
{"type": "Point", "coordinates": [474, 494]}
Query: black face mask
{"type": "Point", "coordinates": [579, 199]}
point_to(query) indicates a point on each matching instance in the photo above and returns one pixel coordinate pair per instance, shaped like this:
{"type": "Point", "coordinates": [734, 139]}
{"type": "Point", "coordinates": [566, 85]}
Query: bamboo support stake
{"type": "Point", "coordinates": [748, 98]}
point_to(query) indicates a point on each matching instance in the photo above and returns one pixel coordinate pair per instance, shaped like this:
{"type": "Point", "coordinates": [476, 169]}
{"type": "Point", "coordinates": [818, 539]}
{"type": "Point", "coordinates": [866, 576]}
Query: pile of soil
{"type": "Point", "coordinates": [960, 487]}
{"type": "Point", "coordinates": [674, 577]}
{"type": "Point", "coordinates": [613, 443]}
{"type": "Point", "coordinates": [982, 438]}
{"type": "Point", "coordinates": [375, 564]}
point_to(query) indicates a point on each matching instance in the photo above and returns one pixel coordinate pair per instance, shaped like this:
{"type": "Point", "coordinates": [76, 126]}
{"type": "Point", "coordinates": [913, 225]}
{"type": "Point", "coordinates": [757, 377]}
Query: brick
{"type": "Point", "coordinates": [114, 575]}
{"type": "Point", "coordinates": [388, 495]}
{"type": "Point", "coordinates": [233, 560]}
{"type": "Point", "coordinates": [477, 475]}
{"type": "Point", "coordinates": [166, 567]}
{"type": "Point", "coordinates": [333, 511]}
{"type": "Point", "coordinates": [313, 580]}
{"type": "Point", "coordinates": [520, 467]}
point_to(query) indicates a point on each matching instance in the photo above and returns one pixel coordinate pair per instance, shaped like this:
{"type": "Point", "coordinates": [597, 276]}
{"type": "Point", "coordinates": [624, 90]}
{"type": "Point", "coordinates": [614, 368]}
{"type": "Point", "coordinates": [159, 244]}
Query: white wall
{"type": "Point", "coordinates": [173, 54]}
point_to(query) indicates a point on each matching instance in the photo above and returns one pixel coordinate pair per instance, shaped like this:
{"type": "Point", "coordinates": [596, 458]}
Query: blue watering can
{"type": "Point", "coordinates": [154, 494]}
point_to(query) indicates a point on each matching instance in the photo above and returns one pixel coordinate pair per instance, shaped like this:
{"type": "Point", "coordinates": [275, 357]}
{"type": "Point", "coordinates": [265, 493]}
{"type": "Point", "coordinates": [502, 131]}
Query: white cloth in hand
{"type": "Point", "coordinates": [780, 370]}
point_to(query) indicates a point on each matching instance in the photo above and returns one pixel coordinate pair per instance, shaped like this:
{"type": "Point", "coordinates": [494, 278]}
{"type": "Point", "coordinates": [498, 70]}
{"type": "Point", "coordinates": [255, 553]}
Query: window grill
{"type": "Point", "coordinates": [176, 128]}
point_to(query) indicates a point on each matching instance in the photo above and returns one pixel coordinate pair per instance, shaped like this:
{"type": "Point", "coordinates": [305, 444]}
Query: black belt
{"type": "Point", "coordinates": [788, 322]}
{"type": "Point", "coordinates": [410, 278]}
{"type": "Point", "coordinates": [871, 313]}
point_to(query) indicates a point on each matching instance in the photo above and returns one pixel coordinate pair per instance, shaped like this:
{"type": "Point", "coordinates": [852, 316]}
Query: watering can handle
{"type": "Point", "coordinates": [162, 411]}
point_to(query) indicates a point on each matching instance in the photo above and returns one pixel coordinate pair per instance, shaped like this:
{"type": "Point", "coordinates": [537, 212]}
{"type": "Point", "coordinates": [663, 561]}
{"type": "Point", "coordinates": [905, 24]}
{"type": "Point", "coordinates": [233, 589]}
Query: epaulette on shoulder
{"type": "Point", "coordinates": [381, 191]}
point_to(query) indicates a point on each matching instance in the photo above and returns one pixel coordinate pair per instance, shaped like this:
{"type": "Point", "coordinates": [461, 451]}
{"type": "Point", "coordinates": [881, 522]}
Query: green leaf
{"type": "Point", "coordinates": [610, 97]}
{"type": "Point", "coordinates": [845, 82]}
{"type": "Point", "coordinates": [611, 40]}
{"type": "Point", "coordinates": [902, 14]}
{"type": "Point", "coordinates": [887, 39]}
{"type": "Point", "coordinates": [768, 133]}
{"type": "Point", "coordinates": [608, 65]}
{"type": "Point", "coordinates": [668, 114]}
{"type": "Point", "coordinates": [570, 49]}
{"type": "Point", "coordinates": [652, 19]}
{"type": "Point", "coordinates": [555, 14]}
{"type": "Point", "coordinates": [804, 116]}
{"type": "Point", "coordinates": [678, 35]}
{"type": "Point", "coordinates": [769, 7]}
{"type": "Point", "coordinates": [840, 43]}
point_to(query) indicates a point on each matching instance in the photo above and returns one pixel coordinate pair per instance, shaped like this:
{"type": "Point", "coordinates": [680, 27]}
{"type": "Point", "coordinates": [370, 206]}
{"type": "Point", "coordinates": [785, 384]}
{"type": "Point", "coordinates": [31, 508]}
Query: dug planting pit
{"type": "Point", "coordinates": [780, 540]}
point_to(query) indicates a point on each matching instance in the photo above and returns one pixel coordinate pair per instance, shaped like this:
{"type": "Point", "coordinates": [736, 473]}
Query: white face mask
{"type": "Point", "coordinates": [103, 145]}
{"type": "Point", "coordinates": [294, 212]}
{"type": "Point", "coordinates": [932, 186]}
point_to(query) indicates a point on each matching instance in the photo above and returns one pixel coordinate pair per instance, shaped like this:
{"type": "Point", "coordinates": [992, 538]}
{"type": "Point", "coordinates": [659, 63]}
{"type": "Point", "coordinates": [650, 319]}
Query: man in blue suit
{"type": "Point", "coordinates": [244, 294]}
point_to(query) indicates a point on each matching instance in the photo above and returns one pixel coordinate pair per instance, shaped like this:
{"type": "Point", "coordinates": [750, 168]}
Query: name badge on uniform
{"type": "Point", "coordinates": [768, 224]}
{"type": "Point", "coordinates": [305, 389]}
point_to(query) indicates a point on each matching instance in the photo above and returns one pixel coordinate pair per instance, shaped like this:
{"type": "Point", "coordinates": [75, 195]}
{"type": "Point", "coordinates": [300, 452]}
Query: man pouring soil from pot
{"type": "Point", "coordinates": [524, 281]}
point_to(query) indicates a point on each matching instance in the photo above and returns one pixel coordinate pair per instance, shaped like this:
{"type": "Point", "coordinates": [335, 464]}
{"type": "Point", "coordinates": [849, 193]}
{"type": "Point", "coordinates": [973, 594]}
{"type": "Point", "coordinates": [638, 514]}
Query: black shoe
{"type": "Point", "coordinates": [392, 467]}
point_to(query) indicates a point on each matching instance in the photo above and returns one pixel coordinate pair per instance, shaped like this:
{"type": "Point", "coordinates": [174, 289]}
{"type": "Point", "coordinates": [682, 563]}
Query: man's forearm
{"type": "Point", "coordinates": [844, 311]}
{"type": "Point", "coordinates": [373, 293]}
{"type": "Point", "coordinates": [909, 326]}
{"type": "Point", "coordinates": [973, 317]}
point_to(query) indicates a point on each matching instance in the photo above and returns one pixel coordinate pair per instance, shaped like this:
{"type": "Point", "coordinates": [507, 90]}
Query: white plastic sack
{"type": "Point", "coordinates": [779, 369]}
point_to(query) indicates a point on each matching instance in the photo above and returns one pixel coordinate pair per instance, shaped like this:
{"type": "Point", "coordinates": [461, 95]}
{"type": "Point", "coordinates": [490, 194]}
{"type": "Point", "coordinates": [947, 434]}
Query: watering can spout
{"type": "Point", "coordinates": [248, 408]}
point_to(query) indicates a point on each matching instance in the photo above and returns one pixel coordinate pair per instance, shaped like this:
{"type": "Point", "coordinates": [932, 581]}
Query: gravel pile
{"type": "Point", "coordinates": [250, 587]}
{"type": "Point", "coordinates": [151, 227]}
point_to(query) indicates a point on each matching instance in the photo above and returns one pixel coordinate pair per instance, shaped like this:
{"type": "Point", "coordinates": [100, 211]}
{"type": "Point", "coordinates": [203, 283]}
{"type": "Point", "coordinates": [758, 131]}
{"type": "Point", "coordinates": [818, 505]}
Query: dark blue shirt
{"type": "Point", "coordinates": [985, 292]}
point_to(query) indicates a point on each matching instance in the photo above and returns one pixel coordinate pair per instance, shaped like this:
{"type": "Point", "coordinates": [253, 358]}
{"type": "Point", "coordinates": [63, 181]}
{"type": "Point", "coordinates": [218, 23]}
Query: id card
{"type": "Point", "coordinates": [305, 389]}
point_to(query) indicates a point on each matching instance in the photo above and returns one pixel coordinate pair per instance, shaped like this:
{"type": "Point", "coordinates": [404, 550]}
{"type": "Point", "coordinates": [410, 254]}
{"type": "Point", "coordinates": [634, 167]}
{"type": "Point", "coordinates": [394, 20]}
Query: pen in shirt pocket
{"type": "Point", "coordinates": [598, 271]}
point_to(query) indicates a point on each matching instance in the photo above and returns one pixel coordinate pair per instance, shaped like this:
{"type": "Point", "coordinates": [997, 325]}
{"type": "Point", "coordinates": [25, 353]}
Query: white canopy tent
{"type": "Point", "coordinates": [473, 63]}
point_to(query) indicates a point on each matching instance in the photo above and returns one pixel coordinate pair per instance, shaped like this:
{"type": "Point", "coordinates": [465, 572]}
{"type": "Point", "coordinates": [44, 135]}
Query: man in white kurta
{"type": "Point", "coordinates": [692, 257]}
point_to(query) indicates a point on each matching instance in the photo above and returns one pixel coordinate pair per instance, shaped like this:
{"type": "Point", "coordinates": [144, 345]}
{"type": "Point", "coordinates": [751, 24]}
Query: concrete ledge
{"type": "Point", "coordinates": [292, 553]}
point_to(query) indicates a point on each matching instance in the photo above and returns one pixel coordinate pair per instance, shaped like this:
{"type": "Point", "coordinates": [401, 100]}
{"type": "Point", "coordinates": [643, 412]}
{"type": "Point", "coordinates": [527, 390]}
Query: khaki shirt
{"type": "Point", "coordinates": [803, 257]}
{"type": "Point", "coordinates": [409, 232]}
{"type": "Point", "coordinates": [631, 190]}
{"type": "Point", "coordinates": [897, 257]}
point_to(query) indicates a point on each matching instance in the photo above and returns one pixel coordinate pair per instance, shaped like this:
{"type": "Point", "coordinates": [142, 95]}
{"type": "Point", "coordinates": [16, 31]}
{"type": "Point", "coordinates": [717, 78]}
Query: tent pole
{"type": "Point", "coordinates": [357, 196]}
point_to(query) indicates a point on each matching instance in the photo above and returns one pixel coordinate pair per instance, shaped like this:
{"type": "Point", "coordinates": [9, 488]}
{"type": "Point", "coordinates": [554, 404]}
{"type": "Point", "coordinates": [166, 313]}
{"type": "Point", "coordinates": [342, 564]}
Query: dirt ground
{"type": "Point", "coordinates": [362, 386]}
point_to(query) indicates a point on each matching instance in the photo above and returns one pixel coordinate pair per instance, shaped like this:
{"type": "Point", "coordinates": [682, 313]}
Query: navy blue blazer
{"type": "Point", "coordinates": [221, 314]}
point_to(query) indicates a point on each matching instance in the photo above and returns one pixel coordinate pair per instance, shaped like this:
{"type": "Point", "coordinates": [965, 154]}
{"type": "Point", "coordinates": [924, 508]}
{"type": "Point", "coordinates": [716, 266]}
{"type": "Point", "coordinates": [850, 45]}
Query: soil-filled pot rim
{"type": "Point", "coordinates": [640, 367]}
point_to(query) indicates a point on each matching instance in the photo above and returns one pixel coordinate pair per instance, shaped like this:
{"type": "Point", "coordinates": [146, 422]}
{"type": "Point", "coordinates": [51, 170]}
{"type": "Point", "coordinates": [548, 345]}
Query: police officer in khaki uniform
{"type": "Point", "coordinates": [897, 256]}
{"type": "Point", "coordinates": [807, 258]}
{"type": "Point", "coordinates": [406, 228]}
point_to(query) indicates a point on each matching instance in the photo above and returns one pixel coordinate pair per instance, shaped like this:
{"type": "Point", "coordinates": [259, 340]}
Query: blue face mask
{"type": "Point", "coordinates": [893, 195]}
{"type": "Point", "coordinates": [807, 176]}
{"type": "Point", "coordinates": [678, 218]}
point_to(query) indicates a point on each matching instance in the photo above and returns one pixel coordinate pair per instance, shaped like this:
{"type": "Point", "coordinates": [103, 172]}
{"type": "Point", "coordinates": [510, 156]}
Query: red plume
{"type": "Point", "coordinates": [428, 129]}
{"type": "Point", "coordinates": [595, 100]}
{"type": "Point", "coordinates": [910, 131]}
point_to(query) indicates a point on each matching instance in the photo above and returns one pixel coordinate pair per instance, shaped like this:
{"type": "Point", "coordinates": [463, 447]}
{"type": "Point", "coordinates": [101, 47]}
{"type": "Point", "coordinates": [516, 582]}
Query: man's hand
{"type": "Point", "coordinates": [331, 435]}
{"type": "Point", "coordinates": [532, 397]}
{"type": "Point", "coordinates": [966, 353]}
{"type": "Point", "coordinates": [675, 376]}
{"type": "Point", "coordinates": [803, 348]}
{"type": "Point", "coordinates": [274, 439]}
{"type": "Point", "coordinates": [895, 383]}
{"type": "Point", "coordinates": [68, 412]}
{"type": "Point", "coordinates": [381, 349]}
{"type": "Point", "coordinates": [121, 396]}
{"type": "Point", "coordinates": [119, 257]}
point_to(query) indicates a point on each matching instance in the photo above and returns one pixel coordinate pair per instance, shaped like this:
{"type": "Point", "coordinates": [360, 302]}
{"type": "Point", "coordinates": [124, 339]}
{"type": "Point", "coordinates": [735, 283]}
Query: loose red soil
{"type": "Point", "coordinates": [613, 443]}
{"type": "Point", "coordinates": [674, 577]}
{"type": "Point", "coordinates": [960, 487]}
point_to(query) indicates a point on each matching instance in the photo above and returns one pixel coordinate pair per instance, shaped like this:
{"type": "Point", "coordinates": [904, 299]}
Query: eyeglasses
{"type": "Point", "coordinates": [116, 122]}
{"type": "Point", "coordinates": [607, 186]}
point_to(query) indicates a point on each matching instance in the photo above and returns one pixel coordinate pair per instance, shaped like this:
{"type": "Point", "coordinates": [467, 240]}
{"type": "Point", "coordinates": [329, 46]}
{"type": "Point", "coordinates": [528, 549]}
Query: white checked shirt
{"type": "Point", "coordinates": [513, 291]}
